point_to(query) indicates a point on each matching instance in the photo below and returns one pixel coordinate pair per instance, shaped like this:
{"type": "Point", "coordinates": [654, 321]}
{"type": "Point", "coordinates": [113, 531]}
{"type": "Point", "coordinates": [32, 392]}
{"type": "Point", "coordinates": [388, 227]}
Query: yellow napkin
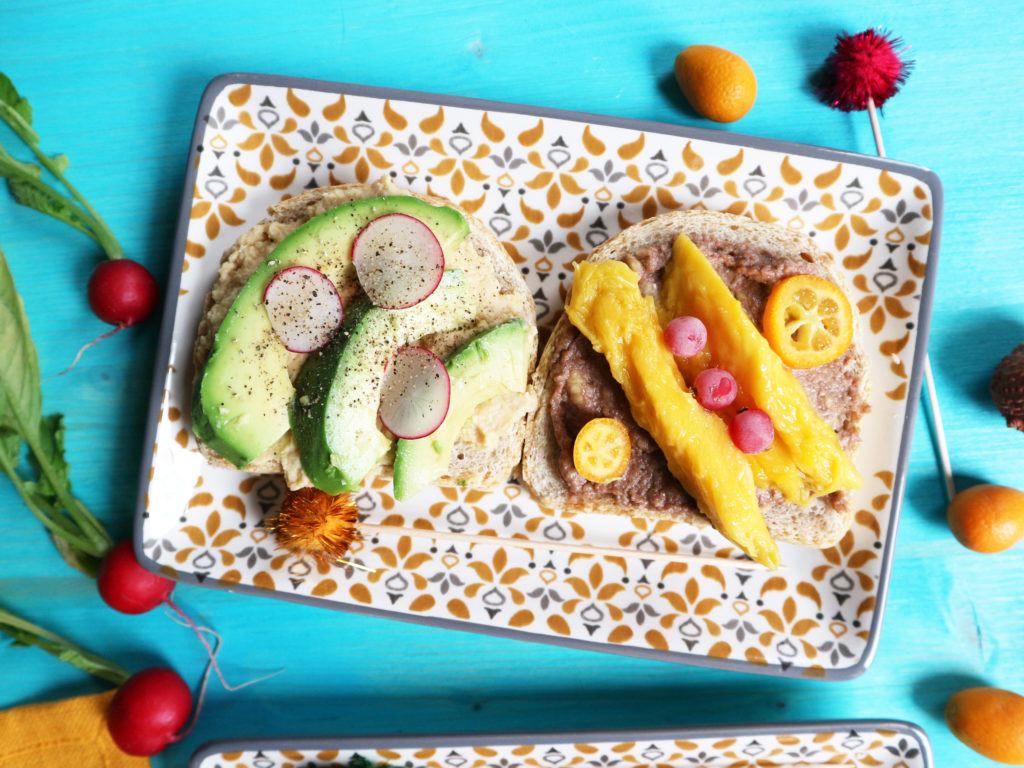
{"type": "Point", "coordinates": [68, 732]}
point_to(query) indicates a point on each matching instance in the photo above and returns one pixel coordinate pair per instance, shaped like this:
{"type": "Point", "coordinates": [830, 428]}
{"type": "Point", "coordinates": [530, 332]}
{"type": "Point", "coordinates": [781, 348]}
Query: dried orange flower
{"type": "Point", "coordinates": [315, 523]}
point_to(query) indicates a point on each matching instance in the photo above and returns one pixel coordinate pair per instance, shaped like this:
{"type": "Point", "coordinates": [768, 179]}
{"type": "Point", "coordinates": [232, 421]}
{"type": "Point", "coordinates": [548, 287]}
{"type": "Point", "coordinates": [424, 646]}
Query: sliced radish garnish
{"type": "Point", "coordinates": [415, 393]}
{"type": "Point", "coordinates": [398, 261]}
{"type": "Point", "coordinates": [304, 307]}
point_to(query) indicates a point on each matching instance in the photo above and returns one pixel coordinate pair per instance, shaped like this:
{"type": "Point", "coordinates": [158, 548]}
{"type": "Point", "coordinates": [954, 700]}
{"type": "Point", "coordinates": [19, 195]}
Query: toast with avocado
{"type": "Point", "coordinates": [362, 330]}
{"type": "Point", "coordinates": [607, 358]}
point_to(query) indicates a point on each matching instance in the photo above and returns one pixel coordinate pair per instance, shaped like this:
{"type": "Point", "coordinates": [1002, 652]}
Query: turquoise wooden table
{"type": "Point", "coordinates": [116, 90]}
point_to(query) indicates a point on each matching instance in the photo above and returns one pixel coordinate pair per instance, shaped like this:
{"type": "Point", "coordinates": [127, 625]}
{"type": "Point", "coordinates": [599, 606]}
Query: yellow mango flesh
{"type": "Point", "coordinates": [806, 459]}
{"type": "Point", "coordinates": [607, 307]}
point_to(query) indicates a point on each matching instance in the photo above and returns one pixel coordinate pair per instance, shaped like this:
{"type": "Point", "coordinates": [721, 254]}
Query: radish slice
{"type": "Point", "coordinates": [415, 393]}
{"type": "Point", "coordinates": [398, 261]}
{"type": "Point", "coordinates": [304, 307]}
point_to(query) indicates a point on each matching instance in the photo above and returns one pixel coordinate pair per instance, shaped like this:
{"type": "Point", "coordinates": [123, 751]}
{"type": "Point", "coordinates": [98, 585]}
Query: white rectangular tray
{"type": "Point", "coordinates": [838, 743]}
{"type": "Point", "coordinates": [552, 185]}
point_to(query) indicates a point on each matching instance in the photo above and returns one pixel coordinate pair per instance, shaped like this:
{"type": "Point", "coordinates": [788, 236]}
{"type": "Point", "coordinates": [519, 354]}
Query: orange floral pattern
{"type": "Point", "coordinates": [552, 189]}
{"type": "Point", "coordinates": [848, 744]}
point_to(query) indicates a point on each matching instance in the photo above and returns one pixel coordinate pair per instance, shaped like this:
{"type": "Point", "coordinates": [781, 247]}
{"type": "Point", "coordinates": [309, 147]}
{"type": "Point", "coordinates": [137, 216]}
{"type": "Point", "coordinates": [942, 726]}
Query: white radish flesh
{"type": "Point", "coordinates": [415, 393]}
{"type": "Point", "coordinates": [304, 308]}
{"type": "Point", "coordinates": [398, 261]}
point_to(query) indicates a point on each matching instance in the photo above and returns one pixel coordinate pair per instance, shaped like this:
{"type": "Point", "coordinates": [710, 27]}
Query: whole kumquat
{"type": "Point", "coordinates": [719, 84]}
{"type": "Point", "coordinates": [987, 518]}
{"type": "Point", "coordinates": [990, 721]}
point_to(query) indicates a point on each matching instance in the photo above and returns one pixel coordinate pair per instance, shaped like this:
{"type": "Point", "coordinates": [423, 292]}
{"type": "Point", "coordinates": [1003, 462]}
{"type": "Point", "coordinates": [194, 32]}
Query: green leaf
{"type": "Point", "coordinates": [20, 395]}
{"type": "Point", "coordinates": [16, 111]}
{"type": "Point", "coordinates": [9, 95]}
{"type": "Point", "coordinates": [11, 167]}
{"type": "Point", "coordinates": [10, 445]}
{"type": "Point", "coordinates": [78, 559]}
{"type": "Point", "coordinates": [45, 200]}
{"type": "Point", "coordinates": [25, 633]}
{"type": "Point", "coordinates": [51, 445]}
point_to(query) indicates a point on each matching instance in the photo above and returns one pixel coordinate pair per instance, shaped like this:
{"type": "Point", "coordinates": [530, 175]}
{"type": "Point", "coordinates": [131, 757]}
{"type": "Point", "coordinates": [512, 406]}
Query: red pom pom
{"type": "Point", "coordinates": [862, 66]}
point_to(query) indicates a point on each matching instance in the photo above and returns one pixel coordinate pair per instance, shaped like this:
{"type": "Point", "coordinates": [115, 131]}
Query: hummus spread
{"type": "Point", "coordinates": [584, 387]}
{"type": "Point", "coordinates": [496, 302]}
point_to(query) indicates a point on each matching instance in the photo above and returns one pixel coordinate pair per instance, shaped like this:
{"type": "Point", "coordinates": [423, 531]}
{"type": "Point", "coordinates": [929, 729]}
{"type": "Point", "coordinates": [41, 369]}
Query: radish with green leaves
{"type": "Point", "coordinates": [149, 710]}
{"type": "Point", "coordinates": [123, 292]}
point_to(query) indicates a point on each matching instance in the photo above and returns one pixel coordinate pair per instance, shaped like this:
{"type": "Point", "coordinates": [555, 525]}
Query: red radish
{"type": "Point", "coordinates": [398, 261]}
{"type": "Point", "coordinates": [149, 710]}
{"type": "Point", "coordinates": [752, 431]}
{"type": "Point", "coordinates": [415, 393]}
{"type": "Point", "coordinates": [686, 336]}
{"type": "Point", "coordinates": [128, 587]}
{"type": "Point", "coordinates": [122, 292]}
{"type": "Point", "coordinates": [715, 388]}
{"type": "Point", "coordinates": [304, 308]}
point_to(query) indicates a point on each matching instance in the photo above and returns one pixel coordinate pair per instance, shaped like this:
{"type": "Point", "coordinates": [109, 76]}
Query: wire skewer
{"type": "Point", "coordinates": [939, 433]}
{"type": "Point", "coordinates": [556, 546]}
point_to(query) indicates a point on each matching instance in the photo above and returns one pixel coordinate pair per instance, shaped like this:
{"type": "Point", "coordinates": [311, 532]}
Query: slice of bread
{"type": "Point", "coordinates": [482, 457]}
{"type": "Point", "coordinates": [751, 257]}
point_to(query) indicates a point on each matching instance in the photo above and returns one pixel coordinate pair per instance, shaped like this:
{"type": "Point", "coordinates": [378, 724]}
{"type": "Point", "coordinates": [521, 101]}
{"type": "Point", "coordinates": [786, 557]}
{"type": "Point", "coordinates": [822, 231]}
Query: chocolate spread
{"type": "Point", "coordinates": [584, 388]}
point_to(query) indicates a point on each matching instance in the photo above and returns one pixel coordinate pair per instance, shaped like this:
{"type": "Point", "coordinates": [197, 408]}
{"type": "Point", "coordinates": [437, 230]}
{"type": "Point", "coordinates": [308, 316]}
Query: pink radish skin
{"type": "Point", "coordinates": [398, 261]}
{"type": "Point", "coordinates": [415, 394]}
{"type": "Point", "coordinates": [148, 711]}
{"type": "Point", "coordinates": [122, 292]}
{"type": "Point", "coordinates": [128, 587]}
{"type": "Point", "coordinates": [304, 308]}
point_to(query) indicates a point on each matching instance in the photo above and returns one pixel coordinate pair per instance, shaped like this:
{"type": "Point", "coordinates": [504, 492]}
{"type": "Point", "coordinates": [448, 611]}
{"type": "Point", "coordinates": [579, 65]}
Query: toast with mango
{"type": "Point", "coordinates": [607, 358]}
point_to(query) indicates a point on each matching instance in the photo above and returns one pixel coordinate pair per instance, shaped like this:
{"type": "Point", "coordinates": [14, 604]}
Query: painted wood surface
{"type": "Point", "coordinates": [115, 87]}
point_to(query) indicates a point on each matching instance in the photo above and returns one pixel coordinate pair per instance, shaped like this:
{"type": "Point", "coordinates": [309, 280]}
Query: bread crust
{"type": "Point", "coordinates": [472, 464]}
{"type": "Point", "coordinates": [820, 524]}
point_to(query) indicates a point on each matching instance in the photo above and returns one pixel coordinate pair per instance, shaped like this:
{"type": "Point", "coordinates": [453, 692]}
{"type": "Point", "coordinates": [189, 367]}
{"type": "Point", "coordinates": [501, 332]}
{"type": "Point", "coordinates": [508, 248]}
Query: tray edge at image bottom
{"type": "Point", "coordinates": [463, 739]}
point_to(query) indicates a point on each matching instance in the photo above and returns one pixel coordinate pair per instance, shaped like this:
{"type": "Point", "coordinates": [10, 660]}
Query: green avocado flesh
{"type": "Point", "coordinates": [240, 403]}
{"type": "Point", "coordinates": [490, 364]}
{"type": "Point", "coordinates": [337, 392]}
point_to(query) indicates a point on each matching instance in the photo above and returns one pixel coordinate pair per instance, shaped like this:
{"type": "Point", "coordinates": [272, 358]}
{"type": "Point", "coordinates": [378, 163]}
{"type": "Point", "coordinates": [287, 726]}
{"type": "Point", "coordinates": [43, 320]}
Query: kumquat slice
{"type": "Point", "coordinates": [808, 321]}
{"type": "Point", "coordinates": [601, 451]}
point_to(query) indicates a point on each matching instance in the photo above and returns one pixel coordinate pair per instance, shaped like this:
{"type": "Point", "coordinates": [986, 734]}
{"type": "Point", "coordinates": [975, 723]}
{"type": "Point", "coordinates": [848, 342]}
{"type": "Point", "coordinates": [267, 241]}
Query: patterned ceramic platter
{"type": "Point", "coordinates": [836, 744]}
{"type": "Point", "coordinates": [552, 185]}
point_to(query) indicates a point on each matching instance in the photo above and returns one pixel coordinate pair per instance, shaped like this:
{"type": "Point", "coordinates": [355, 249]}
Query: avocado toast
{"type": "Point", "coordinates": [312, 416]}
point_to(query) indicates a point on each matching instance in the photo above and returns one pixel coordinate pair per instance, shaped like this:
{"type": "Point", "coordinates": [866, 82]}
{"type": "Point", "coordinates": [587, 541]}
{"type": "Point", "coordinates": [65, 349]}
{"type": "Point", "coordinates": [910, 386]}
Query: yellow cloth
{"type": "Point", "coordinates": [58, 733]}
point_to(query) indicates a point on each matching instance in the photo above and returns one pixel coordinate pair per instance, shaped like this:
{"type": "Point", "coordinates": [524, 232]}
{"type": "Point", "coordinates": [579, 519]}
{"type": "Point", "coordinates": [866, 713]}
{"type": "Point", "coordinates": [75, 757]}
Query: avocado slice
{"type": "Point", "coordinates": [490, 364]}
{"type": "Point", "coordinates": [337, 392]}
{"type": "Point", "coordinates": [240, 402]}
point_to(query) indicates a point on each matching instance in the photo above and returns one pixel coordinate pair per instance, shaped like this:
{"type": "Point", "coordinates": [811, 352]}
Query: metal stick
{"type": "Point", "coordinates": [933, 399]}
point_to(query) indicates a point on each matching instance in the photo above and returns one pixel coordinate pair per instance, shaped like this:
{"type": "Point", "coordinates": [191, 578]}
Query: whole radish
{"type": "Point", "coordinates": [122, 292]}
{"type": "Point", "coordinates": [128, 587]}
{"type": "Point", "coordinates": [149, 711]}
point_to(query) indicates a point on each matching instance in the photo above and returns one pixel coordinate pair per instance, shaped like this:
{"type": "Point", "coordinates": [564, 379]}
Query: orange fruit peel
{"type": "Point", "coordinates": [808, 321]}
{"type": "Point", "coordinates": [601, 451]}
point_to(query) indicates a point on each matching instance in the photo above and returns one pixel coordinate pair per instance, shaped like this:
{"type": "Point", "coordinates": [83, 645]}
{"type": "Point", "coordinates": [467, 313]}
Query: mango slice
{"type": "Point", "coordinates": [806, 459]}
{"type": "Point", "coordinates": [607, 307]}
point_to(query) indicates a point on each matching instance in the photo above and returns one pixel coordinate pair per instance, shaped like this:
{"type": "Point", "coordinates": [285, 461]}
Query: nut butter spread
{"type": "Point", "coordinates": [585, 389]}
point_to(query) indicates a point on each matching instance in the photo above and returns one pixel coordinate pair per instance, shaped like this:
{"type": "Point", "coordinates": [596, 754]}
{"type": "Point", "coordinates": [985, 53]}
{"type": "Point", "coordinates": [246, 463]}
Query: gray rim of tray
{"type": "Point", "coordinates": [299, 743]}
